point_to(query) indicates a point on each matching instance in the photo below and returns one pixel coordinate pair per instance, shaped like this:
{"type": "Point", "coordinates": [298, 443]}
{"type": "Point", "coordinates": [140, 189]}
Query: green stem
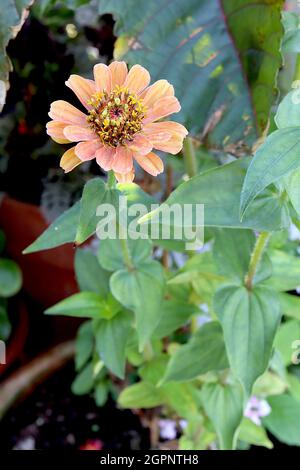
{"type": "Point", "coordinates": [111, 179]}
{"type": "Point", "coordinates": [190, 160]}
{"type": "Point", "coordinates": [297, 69]}
{"type": "Point", "coordinates": [256, 256]}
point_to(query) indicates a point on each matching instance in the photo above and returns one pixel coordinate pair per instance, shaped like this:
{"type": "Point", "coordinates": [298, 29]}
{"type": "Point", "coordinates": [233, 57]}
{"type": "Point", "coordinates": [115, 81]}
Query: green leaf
{"type": "Point", "coordinates": [275, 158]}
{"type": "Point", "coordinates": [111, 339]}
{"type": "Point", "coordinates": [10, 278]}
{"type": "Point", "coordinates": [84, 344]}
{"type": "Point", "coordinates": [253, 434]}
{"type": "Point", "coordinates": [219, 190]}
{"type": "Point", "coordinates": [174, 314]}
{"type": "Point", "coordinates": [287, 333]}
{"type": "Point", "coordinates": [140, 395]}
{"type": "Point", "coordinates": [94, 194]}
{"type": "Point", "coordinates": [290, 305]}
{"type": "Point", "coordinates": [205, 49]}
{"type": "Point", "coordinates": [110, 253]}
{"type": "Point", "coordinates": [287, 114]}
{"type": "Point", "coordinates": [84, 304]}
{"type": "Point", "coordinates": [62, 230]}
{"type": "Point", "coordinates": [141, 290]}
{"type": "Point", "coordinates": [204, 352]}
{"type": "Point", "coordinates": [292, 186]}
{"type": "Point", "coordinates": [249, 321]}
{"type": "Point", "coordinates": [89, 274]}
{"type": "Point", "coordinates": [5, 326]}
{"type": "Point", "coordinates": [224, 406]}
{"type": "Point", "coordinates": [101, 393]}
{"type": "Point", "coordinates": [84, 381]}
{"type": "Point", "coordinates": [285, 271]}
{"type": "Point", "coordinates": [13, 15]}
{"type": "Point", "coordinates": [283, 421]}
{"type": "Point", "coordinates": [232, 250]}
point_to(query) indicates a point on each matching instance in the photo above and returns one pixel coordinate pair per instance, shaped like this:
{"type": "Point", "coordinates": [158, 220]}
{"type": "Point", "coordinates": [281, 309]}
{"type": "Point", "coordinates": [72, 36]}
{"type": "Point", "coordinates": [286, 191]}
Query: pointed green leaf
{"type": "Point", "coordinates": [275, 158]}
{"type": "Point", "coordinates": [219, 190]}
{"type": "Point", "coordinates": [204, 352]}
{"type": "Point", "coordinates": [62, 230]}
{"type": "Point", "coordinates": [224, 406]}
{"type": "Point", "coordinates": [249, 320]}
{"type": "Point", "coordinates": [111, 339]}
{"type": "Point", "coordinates": [89, 274]}
{"type": "Point", "coordinates": [284, 419]}
{"type": "Point", "coordinates": [84, 304]}
{"type": "Point", "coordinates": [141, 290]}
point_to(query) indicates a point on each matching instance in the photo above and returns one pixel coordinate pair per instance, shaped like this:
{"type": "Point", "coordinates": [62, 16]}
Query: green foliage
{"type": "Point", "coordinates": [249, 321]}
{"type": "Point", "coordinates": [178, 41]}
{"type": "Point", "coordinates": [89, 274]}
{"type": "Point", "coordinates": [219, 190]}
{"type": "Point", "coordinates": [142, 291]}
{"type": "Point", "coordinates": [111, 339]}
{"type": "Point", "coordinates": [203, 353]}
{"type": "Point", "coordinates": [253, 434]}
{"type": "Point", "coordinates": [13, 15]}
{"type": "Point", "coordinates": [10, 278]}
{"type": "Point", "coordinates": [275, 158]}
{"type": "Point", "coordinates": [223, 403]}
{"type": "Point", "coordinates": [283, 421]}
{"type": "Point", "coordinates": [85, 305]}
{"type": "Point", "coordinates": [62, 230]}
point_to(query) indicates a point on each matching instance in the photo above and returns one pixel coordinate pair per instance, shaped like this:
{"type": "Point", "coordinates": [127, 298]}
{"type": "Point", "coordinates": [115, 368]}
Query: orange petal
{"type": "Point", "coordinates": [137, 79]}
{"type": "Point", "coordinates": [125, 178]}
{"type": "Point", "coordinates": [155, 92]}
{"type": "Point", "coordinates": [123, 161]}
{"type": "Point", "coordinates": [162, 108]}
{"type": "Point", "coordinates": [63, 111]}
{"type": "Point", "coordinates": [118, 73]}
{"type": "Point", "coordinates": [173, 145]}
{"type": "Point", "coordinates": [141, 145]}
{"type": "Point", "coordinates": [83, 89]}
{"type": "Point", "coordinates": [105, 157]}
{"type": "Point", "coordinates": [169, 127]}
{"type": "Point", "coordinates": [78, 133]}
{"type": "Point", "coordinates": [102, 77]}
{"type": "Point", "coordinates": [175, 132]}
{"type": "Point", "coordinates": [55, 130]}
{"type": "Point", "coordinates": [87, 150]}
{"type": "Point", "coordinates": [150, 163]}
{"type": "Point", "coordinates": [69, 160]}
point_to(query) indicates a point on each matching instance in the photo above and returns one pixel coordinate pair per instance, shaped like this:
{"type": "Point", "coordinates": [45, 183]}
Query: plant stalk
{"type": "Point", "coordinates": [111, 179]}
{"type": "Point", "coordinates": [256, 256]}
{"type": "Point", "coordinates": [125, 249]}
{"type": "Point", "coordinates": [190, 159]}
{"type": "Point", "coordinates": [297, 68]}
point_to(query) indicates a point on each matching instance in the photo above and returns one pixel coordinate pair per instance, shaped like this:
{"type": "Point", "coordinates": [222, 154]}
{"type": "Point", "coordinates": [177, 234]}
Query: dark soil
{"type": "Point", "coordinates": [53, 418]}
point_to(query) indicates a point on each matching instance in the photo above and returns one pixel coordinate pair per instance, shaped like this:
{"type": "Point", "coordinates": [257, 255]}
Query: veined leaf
{"type": "Point", "coordinates": [224, 406]}
{"type": "Point", "coordinates": [219, 190]}
{"type": "Point", "coordinates": [275, 158]}
{"type": "Point", "coordinates": [249, 321]}
{"type": "Point", "coordinates": [205, 49]}
{"type": "Point", "coordinates": [204, 352]}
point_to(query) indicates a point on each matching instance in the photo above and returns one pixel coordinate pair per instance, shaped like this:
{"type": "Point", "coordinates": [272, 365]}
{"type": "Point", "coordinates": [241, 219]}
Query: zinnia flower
{"type": "Point", "coordinates": [122, 121]}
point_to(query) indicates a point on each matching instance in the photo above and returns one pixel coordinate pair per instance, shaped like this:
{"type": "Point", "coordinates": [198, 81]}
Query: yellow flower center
{"type": "Point", "coordinates": [116, 117]}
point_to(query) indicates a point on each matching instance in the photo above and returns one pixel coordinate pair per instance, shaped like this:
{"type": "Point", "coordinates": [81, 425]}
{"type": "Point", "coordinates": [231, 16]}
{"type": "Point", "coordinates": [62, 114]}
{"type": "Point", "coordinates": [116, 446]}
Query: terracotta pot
{"type": "Point", "coordinates": [48, 275]}
{"type": "Point", "coordinates": [17, 340]}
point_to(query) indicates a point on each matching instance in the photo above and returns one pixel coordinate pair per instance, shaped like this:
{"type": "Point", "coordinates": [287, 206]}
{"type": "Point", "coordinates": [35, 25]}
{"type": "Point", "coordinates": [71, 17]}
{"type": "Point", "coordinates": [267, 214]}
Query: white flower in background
{"type": "Point", "coordinates": [183, 424]}
{"type": "Point", "coordinates": [294, 233]}
{"type": "Point", "coordinates": [257, 408]}
{"type": "Point", "coordinates": [168, 429]}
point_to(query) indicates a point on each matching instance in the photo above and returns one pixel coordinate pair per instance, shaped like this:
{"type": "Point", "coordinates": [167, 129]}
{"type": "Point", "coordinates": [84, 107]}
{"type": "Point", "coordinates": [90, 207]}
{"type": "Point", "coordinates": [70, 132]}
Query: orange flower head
{"type": "Point", "coordinates": [123, 121]}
